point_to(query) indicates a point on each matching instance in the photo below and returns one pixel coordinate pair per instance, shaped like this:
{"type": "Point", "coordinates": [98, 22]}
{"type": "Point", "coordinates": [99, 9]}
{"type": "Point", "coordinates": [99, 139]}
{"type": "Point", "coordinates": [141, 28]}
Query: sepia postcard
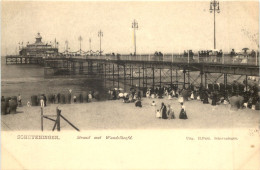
{"type": "Point", "coordinates": [130, 85]}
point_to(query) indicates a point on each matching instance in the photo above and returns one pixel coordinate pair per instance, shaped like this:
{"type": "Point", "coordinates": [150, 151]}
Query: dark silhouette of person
{"type": "Point", "coordinates": [163, 111]}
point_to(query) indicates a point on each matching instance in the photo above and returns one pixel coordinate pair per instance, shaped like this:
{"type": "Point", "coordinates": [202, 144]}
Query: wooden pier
{"type": "Point", "coordinates": [146, 70]}
{"type": "Point", "coordinates": [150, 71]}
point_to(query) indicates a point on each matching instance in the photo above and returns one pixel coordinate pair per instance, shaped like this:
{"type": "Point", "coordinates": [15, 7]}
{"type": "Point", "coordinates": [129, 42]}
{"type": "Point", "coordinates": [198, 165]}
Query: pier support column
{"type": "Point", "coordinates": [189, 78]}
{"type": "Point", "coordinates": [109, 72]}
{"type": "Point", "coordinates": [130, 74]}
{"type": "Point", "coordinates": [205, 80]}
{"type": "Point", "coordinates": [124, 78]}
{"type": "Point", "coordinates": [80, 68]}
{"type": "Point", "coordinates": [184, 78]}
{"type": "Point", "coordinates": [153, 76]}
{"type": "Point", "coordinates": [113, 72]}
{"type": "Point", "coordinates": [139, 78]}
{"type": "Point", "coordinates": [160, 77]}
{"type": "Point", "coordinates": [98, 69]}
{"type": "Point", "coordinates": [132, 78]}
{"type": "Point", "coordinates": [201, 79]}
{"type": "Point", "coordinates": [118, 76]}
{"type": "Point", "coordinates": [105, 74]}
{"type": "Point", "coordinates": [73, 68]}
{"type": "Point", "coordinates": [177, 82]}
{"type": "Point", "coordinates": [246, 82]}
{"type": "Point", "coordinates": [143, 75]}
{"type": "Point", "coordinates": [146, 77]}
{"type": "Point", "coordinates": [225, 82]}
{"type": "Point", "coordinates": [171, 74]}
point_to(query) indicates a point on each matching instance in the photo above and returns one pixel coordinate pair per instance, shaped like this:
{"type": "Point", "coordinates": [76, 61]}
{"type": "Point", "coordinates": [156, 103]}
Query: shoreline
{"type": "Point", "coordinates": [114, 114]}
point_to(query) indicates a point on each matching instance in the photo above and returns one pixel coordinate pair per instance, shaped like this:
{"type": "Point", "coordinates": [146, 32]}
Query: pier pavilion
{"type": "Point", "coordinates": [38, 49]}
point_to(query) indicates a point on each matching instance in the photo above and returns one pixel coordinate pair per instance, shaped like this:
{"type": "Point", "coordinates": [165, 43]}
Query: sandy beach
{"type": "Point", "coordinates": [115, 114]}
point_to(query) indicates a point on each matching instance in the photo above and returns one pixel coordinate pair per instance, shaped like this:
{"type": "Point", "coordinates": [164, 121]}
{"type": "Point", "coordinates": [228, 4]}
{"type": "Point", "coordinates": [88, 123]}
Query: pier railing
{"type": "Point", "coordinates": [226, 59]}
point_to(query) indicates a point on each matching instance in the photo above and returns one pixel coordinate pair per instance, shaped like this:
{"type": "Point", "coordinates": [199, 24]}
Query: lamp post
{"type": "Point", "coordinates": [67, 43]}
{"type": "Point", "coordinates": [100, 34]}
{"type": "Point", "coordinates": [80, 39]}
{"type": "Point", "coordinates": [135, 27]}
{"type": "Point", "coordinates": [214, 7]}
{"type": "Point", "coordinates": [89, 45]}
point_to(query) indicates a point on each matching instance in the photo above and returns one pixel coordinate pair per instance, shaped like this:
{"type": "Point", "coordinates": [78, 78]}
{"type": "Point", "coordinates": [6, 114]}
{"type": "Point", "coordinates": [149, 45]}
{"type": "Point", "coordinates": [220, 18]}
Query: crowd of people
{"type": "Point", "coordinates": [135, 96]}
{"type": "Point", "coordinates": [213, 95]}
{"type": "Point", "coordinates": [10, 104]}
{"type": "Point", "coordinates": [235, 94]}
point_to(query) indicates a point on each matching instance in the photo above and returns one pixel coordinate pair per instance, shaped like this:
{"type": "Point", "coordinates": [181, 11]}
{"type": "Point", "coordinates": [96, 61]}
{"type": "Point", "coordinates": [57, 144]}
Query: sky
{"type": "Point", "coordinates": [169, 26]}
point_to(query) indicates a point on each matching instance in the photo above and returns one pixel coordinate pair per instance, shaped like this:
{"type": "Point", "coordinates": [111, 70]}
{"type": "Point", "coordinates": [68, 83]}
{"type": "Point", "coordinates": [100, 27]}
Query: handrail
{"type": "Point", "coordinates": [224, 59]}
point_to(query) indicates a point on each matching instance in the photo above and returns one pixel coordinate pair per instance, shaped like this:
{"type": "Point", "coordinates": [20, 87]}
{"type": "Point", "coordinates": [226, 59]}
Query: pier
{"type": "Point", "coordinates": [149, 70]}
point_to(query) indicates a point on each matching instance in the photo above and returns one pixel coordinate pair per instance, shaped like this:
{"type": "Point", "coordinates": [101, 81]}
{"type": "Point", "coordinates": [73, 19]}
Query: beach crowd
{"type": "Point", "coordinates": [235, 94]}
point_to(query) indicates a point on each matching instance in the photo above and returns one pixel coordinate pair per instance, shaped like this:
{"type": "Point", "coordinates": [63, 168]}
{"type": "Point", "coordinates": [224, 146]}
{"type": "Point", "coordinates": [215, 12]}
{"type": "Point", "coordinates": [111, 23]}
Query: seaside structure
{"type": "Point", "coordinates": [144, 71]}
{"type": "Point", "coordinates": [38, 49]}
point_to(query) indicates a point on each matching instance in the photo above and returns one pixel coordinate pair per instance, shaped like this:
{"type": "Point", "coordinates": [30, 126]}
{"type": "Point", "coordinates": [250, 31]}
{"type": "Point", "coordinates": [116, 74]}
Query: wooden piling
{"type": "Point", "coordinates": [41, 118]}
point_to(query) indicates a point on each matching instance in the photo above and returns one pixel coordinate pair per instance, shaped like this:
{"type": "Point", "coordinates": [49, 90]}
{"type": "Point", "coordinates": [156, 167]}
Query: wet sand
{"type": "Point", "coordinates": [118, 115]}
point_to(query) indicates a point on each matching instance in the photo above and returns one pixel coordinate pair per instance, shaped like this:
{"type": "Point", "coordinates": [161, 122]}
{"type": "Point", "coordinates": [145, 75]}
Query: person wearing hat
{"type": "Point", "coordinates": [183, 114]}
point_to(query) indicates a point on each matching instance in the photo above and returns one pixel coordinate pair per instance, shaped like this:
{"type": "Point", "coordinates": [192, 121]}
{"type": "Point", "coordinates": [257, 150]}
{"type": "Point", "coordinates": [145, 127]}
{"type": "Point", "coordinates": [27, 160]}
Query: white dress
{"type": "Point", "coordinates": [147, 94]}
{"type": "Point", "coordinates": [180, 100]}
{"type": "Point", "coordinates": [158, 114]}
{"type": "Point", "coordinates": [192, 96]}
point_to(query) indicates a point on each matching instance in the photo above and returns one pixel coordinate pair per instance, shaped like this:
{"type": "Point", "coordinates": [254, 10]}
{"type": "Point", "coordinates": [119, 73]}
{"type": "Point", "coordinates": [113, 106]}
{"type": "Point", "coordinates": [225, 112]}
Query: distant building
{"type": "Point", "coordinates": [39, 49]}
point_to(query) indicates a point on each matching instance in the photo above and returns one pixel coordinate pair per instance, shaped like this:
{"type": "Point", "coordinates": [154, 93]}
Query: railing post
{"type": "Point", "coordinates": [58, 119]}
{"type": "Point", "coordinates": [188, 57]}
{"type": "Point", "coordinates": [41, 118]}
{"type": "Point", "coordinates": [198, 56]}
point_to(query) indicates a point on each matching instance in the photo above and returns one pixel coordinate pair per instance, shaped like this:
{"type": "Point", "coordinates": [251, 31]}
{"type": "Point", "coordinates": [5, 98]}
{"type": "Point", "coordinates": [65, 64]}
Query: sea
{"type": "Point", "coordinates": [28, 80]}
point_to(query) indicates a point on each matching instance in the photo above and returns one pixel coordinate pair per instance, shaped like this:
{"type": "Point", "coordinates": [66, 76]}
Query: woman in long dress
{"type": "Point", "coordinates": [192, 95]}
{"type": "Point", "coordinates": [183, 114]}
{"type": "Point", "coordinates": [214, 99]}
{"type": "Point", "coordinates": [206, 98]}
{"type": "Point", "coordinates": [163, 111]}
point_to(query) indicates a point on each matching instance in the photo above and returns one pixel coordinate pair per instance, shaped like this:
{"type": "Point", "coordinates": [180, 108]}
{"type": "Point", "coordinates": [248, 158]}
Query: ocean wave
{"type": "Point", "coordinates": [20, 80]}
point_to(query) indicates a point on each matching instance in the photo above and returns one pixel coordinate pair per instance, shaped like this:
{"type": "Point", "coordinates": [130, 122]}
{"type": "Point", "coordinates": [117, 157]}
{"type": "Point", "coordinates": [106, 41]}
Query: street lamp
{"type": "Point", "coordinates": [89, 45]}
{"type": "Point", "coordinates": [214, 7]}
{"type": "Point", "coordinates": [67, 43]}
{"type": "Point", "coordinates": [100, 34]}
{"type": "Point", "coordinates": [135, 27]}
{"type": "Point", "coordinates": [80, 39]}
